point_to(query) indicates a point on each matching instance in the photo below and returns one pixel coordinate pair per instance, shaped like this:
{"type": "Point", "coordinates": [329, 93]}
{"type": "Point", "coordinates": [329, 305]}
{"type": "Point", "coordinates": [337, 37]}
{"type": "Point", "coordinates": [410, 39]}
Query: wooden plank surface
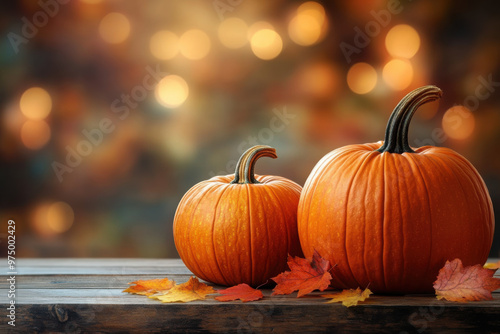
{"type": "Point", "coordinates": [85, 295]}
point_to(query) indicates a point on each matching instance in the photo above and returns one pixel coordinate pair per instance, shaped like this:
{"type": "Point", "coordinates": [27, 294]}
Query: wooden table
{"type": "Point", "coordinates": [85, 295]}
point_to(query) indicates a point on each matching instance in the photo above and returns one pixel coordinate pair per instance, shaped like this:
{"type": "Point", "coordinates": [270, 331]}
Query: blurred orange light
{"type": "Point", "coordinates": [233, 33]}
{"type": "Point", "coordinates": [164, 45]}
{"type": "Point", "coordinates": [35, 134]}
{"type": "Point", "coordinates": [306, 27]}
{"type": "Point", "coordinates": [52, 218]}
{"type": "Point", "coordinates": [39, 220]}
{"type": "Point", "coordinates": [35, 103]}
{"type": "Point", "coordinates": [114, 28]}
{"type": "Point", "coordinates": [361, 78]}
{"type": "Point", "coordinates": [194, 44]}
{"type": "Point", "coordinates": [402, 41]}
{"type": "Point", "coordinates": [458, 122]}
{"type": "Point", "coordinates": [60, 217]}
{"type": "Point", "coordinates": [314, 9]}
{"type": "Point", "coordinates": [258, 26]}
{"type": "Point", "coordinates": [266, 44]}
{"type": "Point", "coordinates": [398, 74]}
{"type": "Point", "coordinates": [304, 30]}
{"type": "Point", "coordinates": [91, 2]}
{"type": "Point", "coordinates": [171, 91]}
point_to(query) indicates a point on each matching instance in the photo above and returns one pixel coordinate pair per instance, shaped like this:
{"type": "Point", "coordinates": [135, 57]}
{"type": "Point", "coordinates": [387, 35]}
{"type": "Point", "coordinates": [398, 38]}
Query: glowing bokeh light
{"type": "Point", "coordinates": [60, 217]}
{"type": "Point", "coordinates": [39, 220]}
{"type": "Point", "coordinates": [402, 41]}
{"type": "Point", "coordinates": [307, 26]}
{"type": "Point", "coordinates": [266, 44]}
{"type": "Point", "coordinates": [398, 74]}
{"type": "Point", "coordinates": [233, 33]}
{"type": "Point", "coordinates": [35, 103]}
{"type": "Point", "coordinates": [314, 9]}
{"type": "Point", "coordinates": [304, 30]}
{"type": "Point", "coordinates": [171, 91]}
{"type": "Point", "coordinates": [361, 78]}
{"type": "Point", "coordinates": [194, 44]}
{"type": "Point", "coordinates": [258, 26]}
{"type": "Point", "coordinates": [458, 122]}
{"type": "Point", "coordinates": [164, 45]}
{"type": "Point", "coordinates": [35, 134]}
{"type": "Point", "coordinates": [114, 28]}
{"type": "Point", "coordinates": [49, 219]}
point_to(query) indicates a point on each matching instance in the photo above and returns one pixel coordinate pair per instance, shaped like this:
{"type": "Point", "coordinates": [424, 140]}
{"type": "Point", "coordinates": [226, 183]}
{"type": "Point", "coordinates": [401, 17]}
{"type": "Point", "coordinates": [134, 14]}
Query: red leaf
{"type": "Point", "coordinates": [458, 284]}
{"type": "Point", "coordinates": [244, 292]}
{"type": "Point", "coordinates": [306, 275]}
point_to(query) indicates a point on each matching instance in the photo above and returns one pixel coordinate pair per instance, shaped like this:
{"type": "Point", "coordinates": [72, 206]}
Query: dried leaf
{"type": "Point", "coordinates": [491, 265]}
{"type": "Point", "coordinates": [186, 292]}
{"type": "Point", "coordinates": [458, 284]}
{"type": "Point", "coordinates": [349, 297]}
{"type": "Point", "coordinates": [150, 287]}
{"type": "Point", "coordinates": [244, 292]}
{"type": "Point", "coordinates": [305, 275]}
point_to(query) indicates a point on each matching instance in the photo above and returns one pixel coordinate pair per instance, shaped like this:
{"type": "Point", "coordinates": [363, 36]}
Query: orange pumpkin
{"type": "Point", "coordinates": [239, 228]}
{"type": "Point", "coordinates": [389, 216]}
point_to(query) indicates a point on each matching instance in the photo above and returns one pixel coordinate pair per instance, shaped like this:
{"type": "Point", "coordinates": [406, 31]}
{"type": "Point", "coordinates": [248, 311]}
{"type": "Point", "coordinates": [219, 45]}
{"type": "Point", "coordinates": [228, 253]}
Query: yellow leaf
{"type": "Point", "coordinates": [186, 292]}
{"type": "Point", "coordinates": [349, 297]}
{"type": "Point", "coordinates": [149, 287]}
{"type": "Point", "coordinates": [492, 266]}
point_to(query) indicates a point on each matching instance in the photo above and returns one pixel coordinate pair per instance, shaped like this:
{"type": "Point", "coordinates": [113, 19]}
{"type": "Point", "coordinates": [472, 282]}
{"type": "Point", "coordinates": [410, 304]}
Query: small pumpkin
{"type": "Point", "coordinates": [239, 228]}
{"type": "Point", "coordinates": [389, 216]}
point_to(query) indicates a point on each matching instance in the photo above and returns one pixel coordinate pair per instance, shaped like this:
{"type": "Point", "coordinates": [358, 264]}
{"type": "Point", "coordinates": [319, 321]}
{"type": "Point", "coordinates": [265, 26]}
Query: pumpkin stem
{"type": "Point", "coordinates": [244, 172]}
{"type": "Point", "coordinates": [396, 133]}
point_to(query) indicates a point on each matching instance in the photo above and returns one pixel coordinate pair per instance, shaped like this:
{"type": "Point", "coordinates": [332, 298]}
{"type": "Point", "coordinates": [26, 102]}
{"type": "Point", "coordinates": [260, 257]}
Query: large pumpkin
{"type": "Point", "coordinates": [239, 228]}
{"type": "Point", "coordinates": [389, 216]}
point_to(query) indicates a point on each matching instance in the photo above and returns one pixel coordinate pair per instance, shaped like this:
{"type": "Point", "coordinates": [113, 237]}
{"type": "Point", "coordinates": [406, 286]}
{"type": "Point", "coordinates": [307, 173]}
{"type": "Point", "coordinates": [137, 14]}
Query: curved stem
{"type": "Point", "coordinates": [244, 172]}
{"type": "Point", "coordinates": [396, 133]}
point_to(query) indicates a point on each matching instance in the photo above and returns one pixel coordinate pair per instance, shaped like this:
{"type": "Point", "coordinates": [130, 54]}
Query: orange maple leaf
{"type": "Point", "coordinates": [243, 291]}
{"type": "Point", "coordinates": [458, 284]}
{"type": "Point", "coordinates": [491, 265]}
{"type": "Point", "coordinates": [349, 297]}
{"type": "Point", "coordinates": [186, 292]}
{"type": "Point", "coordinates": [150, 287]}
{"type": "Point", "coordinates": [306, 275]}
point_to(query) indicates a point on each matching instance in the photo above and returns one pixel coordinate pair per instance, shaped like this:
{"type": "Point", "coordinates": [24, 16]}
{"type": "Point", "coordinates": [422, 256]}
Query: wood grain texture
{"type": "Point", "coordinates": [91, 300]}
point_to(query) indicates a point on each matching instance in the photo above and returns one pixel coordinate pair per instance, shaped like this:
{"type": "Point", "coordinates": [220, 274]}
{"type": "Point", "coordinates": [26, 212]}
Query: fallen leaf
{"type": "Point", "coordinates": [150, 287]}
{"type": "Point", "coordinates": [458, 284]}
{"type": "Point", "coordinates": [305, 275]}
{"type": "Point", "coordinates": [186, 292]}
{"type": "Point", "coordinates": [349, 297]}
{"type": "Point", "coordinates": [244, 292]}
{"type": "Point", "coordinates": [492, 265]}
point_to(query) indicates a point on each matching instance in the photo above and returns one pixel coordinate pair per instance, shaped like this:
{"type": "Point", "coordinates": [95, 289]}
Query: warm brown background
{"type": "Point", "coordinates": [120, 200]}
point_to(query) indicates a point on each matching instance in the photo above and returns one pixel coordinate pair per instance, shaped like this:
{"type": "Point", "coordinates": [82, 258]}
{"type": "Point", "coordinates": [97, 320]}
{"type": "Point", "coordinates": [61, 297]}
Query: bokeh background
{"type": "Point", "coordinates": [171, 93]}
